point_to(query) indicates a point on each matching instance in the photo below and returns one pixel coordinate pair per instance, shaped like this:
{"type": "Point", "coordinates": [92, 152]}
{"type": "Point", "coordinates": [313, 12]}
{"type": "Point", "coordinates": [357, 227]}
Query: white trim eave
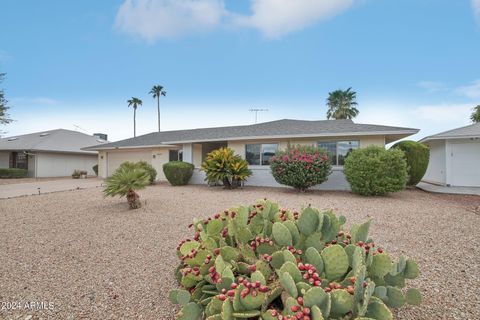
{"type": "Point", "coordinates": [316, 135]}
{"type": "Point", "coordinates": [84, 152]}
{"type": "Point", "coordinates": [133, 147]}
{"type": "Point", "coordinates": [449, 137]}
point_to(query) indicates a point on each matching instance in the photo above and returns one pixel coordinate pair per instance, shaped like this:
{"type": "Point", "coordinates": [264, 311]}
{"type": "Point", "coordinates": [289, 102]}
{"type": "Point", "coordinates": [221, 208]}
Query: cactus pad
{"type": "Point", "coordinates": [381, 265]}
{"type": "Point", "coordinates": [413, 297]}
{"type": "Point", "coordinates": [335, 261]}
{"type": "Point", "coordinates": [288, 284]}
{"type": "Point", "coordinates": [308, 221]}
{"type": "Point", "coordinates": [281, 234]}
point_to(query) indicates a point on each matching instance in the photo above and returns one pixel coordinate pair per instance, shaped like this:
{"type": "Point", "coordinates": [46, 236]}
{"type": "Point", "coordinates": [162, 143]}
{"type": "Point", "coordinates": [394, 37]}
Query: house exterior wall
{"type": "Point", "coordinates": [436, 170]}
{"type": "Point", "coordinates": [47, 164]}
{"type": "Point", "coordinates": [4, 159]}
{"type": "Point", "coordinates": [109, 161]}
{"type": "Point", "coordinates": [261, 175]}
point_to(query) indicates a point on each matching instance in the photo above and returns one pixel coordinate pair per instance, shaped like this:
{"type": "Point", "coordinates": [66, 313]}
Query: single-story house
{"type": "Point", "coordinates": [454, 157]}
{"type": "Point", "coordinates": [53, 153]}
{"type": "Point", "coordinates": [256, 143]}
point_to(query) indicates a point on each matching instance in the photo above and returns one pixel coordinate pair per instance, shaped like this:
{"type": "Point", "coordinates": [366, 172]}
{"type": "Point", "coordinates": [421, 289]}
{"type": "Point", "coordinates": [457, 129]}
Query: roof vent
{"type": "Point", "coordinates": [44, 134]}
{"type": "Point", "coordinates": [101, 141]}
{"type": "Point", "coordinates": [102, 136]}
{"type": "Point", "coordinates": [12, 139]}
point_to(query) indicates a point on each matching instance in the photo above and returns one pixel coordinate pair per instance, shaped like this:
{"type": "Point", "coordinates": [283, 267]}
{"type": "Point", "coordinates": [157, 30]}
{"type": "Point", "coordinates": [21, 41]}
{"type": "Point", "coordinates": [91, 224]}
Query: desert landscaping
{"type": "Point", "coordinates": [93, 258]}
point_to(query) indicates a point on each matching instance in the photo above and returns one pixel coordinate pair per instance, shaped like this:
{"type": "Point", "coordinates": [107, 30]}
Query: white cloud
{"type": "Point", "coordinates": [154, 19]}
{"type": "Point", "coordinates": [471, 91]}
{"type": "Point", "coordinates": [275, 18]}
{"type": "Point", "coordinates": [432, 86]}
{"type": "Point", "coordinates": [444, 113]}
{"type": "Point", "coordinates": [476, 9]}
{"type": "Point", "coordinates": [34, 101]}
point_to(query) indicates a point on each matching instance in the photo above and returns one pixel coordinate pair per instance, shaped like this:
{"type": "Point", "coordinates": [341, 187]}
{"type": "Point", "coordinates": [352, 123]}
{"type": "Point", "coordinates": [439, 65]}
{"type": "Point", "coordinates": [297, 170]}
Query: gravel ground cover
{"type": "Point", "coordinates": [92, 258]}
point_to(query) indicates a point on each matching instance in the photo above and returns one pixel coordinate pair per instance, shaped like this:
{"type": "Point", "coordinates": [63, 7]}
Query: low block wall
{"type": "Point", "coordinates": [262, 177]}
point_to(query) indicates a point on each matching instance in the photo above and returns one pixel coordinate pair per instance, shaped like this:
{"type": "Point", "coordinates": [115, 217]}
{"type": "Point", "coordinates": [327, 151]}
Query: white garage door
{"type": "Point", "coordinates": [114, 159]}
{"type": "Point", "coordinates": [466, 164]}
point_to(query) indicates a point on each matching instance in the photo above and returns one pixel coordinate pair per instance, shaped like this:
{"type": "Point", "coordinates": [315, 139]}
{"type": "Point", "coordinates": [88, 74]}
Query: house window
{"type": "Point", "coordinates": [339, 150]}
{"type": "Point", "coordinates": [175, 155]}
{"type": "Point", "coordinates": [18, 160]}
{"type": "Point", "coordinates": [260, 154]}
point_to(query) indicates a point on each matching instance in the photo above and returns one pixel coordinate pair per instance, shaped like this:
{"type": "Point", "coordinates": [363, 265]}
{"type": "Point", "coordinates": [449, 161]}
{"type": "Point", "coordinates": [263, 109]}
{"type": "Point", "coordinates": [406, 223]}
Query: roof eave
{"type": "Point", "coordinates": [337, 134]}
{"type": "Point", "coordinates": [101, 148]}
{"type": "Point", "coordinates": [449, 137]}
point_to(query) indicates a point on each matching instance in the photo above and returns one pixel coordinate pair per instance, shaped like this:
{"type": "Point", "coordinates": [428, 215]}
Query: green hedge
{"type": "Point", "coordinates": [95, 169]}
{"type": "Point", "coordinates": [141, 165]}
{"type": "Point", "coordinates": [12, 173]}
{"type": "Point", "coordinates": [417, 156]}
{"type": "Point", "coordinates": [376, 171]}
{"type": "Point", "coordinates": [178, 173]}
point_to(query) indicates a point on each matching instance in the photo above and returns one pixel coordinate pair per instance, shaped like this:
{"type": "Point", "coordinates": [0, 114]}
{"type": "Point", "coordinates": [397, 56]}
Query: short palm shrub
{"type": "Point", "coordinates": [13, 173]}
{"type": "Point", "coordinates": [152, 173]}
{"type": "Point", "coordinates": [95, 169]}
{"type": "Point", "coordinates": [376, 171]}
{"type": "Point", "coordinates": [263, 262]}
{"type": "Point", "coordinates": [76, 174]}
{"type": "Point", "coordinates": [223, 165]}
{"type": "Point", "coordinates": [178, 173]}
{"type": "Point", "coordinates": [417, 156]}
{"type": "Point", "coordinates": [301, 167]}
{"type": "Point", "coordinates": [125, 182]}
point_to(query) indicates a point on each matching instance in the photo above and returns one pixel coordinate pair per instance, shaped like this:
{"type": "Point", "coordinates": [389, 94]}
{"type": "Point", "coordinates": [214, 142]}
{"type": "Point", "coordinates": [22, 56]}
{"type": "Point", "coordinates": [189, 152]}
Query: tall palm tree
{"type": "Point", "coordinates": [156, 92]}
{"type": "Point", "coordinates": [475, 117]}
{"type": "Point", "coordinates": [134, 102]}
{"type": "Point", "coordinates": [341, 104]}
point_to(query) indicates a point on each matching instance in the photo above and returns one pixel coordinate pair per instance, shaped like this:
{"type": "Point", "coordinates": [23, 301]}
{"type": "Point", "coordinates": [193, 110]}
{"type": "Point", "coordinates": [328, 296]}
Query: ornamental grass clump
{"type": "Point", "coordinates": [263, 262]}
{"type": "Point", "coordinates": [301, 167]}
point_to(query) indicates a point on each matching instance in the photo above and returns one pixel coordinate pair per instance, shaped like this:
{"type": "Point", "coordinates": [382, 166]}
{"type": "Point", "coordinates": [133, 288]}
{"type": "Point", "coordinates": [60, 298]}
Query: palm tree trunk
{"type": "Point", "coordinates": [158, 112]}
{"type": "Point", "coordinates": [134, 122]}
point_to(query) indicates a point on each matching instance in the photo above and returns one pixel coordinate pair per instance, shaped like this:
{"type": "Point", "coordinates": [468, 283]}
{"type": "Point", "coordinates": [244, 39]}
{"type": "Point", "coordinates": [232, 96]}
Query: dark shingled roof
{"type": "Point", "coordinates": [469, 131]}
{"type": "Point", "coordinates": [285, 128]}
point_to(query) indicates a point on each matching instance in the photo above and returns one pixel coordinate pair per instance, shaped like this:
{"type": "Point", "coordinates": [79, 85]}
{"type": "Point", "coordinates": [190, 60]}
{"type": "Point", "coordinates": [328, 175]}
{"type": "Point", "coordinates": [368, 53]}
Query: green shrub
{"type": "Point", "coordinates": [178, 173]}
{"type": "Point", "coordinates": [376, 171]}
{"type": "Point", "coordinates": [76, 174]}
{"type": "Point", "coordinates": [144, 166]}
{"type": "Point", "coordinates": [301, 167]}
{"type": "Point", "coordinates": [417, 156]}
{"type": "Point", "coordinates": [260, 261]}
{"type": "Point", "coordinates": [95, 169]}
{"type": "Point", "coordinates": [225, 166]}
{"type": "Point", "coordinates": [125, 181]}
{"type": "Point", "coordinates": [13, 173]}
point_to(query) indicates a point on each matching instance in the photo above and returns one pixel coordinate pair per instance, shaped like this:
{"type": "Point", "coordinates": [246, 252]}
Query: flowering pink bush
{"type": "Point", "coordinates": [301, 167]}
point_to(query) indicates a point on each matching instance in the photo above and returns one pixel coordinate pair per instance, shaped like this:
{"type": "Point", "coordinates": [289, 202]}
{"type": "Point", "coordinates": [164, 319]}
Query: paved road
{"type": "Point", "coordinates": [30, 188]}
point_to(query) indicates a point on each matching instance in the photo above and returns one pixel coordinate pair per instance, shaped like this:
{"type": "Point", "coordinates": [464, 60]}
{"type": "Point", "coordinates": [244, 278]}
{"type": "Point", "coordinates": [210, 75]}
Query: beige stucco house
{"type": "Point", "coordinates": [53, 153]}
{"type": "Point", "coordinates": [256, 143]}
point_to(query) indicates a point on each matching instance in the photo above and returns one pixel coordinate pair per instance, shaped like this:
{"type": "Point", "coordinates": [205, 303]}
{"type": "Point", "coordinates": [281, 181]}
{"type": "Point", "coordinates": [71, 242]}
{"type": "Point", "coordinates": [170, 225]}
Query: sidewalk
{"type": "Point", "coordinates": [452, 190]}
{"type": "Point", "coordinates": [40, 187]}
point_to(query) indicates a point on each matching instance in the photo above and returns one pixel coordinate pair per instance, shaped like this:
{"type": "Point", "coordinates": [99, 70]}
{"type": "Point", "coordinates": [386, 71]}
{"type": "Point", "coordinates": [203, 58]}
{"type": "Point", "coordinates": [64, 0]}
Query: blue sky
{"type": "Point", "coordinates": [413, 63]}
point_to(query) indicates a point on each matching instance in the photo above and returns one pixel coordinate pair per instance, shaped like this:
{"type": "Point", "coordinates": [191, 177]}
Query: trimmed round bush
{"type": "Point", "coordinates": [12, 173]}
{"type": "Point", "coordinates": [178, 173]}
{"type": "Point", "coordinates": [301, 167]}
{"type": "Point", "coordinates": [141, 165]}
{"type": "Point", "coordinates": [375, 171]}
{"type": "Point", "coordinates": [417, 156]}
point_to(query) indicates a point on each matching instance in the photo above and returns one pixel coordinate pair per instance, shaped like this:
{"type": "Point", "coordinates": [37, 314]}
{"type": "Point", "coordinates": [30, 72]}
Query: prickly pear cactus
{"type": "Point", "coordinates": [263, 262]}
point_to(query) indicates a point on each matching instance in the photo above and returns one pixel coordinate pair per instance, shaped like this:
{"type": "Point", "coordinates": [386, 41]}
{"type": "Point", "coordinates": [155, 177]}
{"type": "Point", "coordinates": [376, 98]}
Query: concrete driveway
{"type": "Point", "coordinates": [19, 189]}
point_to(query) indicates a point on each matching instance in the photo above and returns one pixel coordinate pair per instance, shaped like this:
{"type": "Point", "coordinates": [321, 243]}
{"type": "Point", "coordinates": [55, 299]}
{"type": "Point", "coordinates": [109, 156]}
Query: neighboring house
{"type": "Point", "coordinates": [256, 143]}
{"type": "Point", "coordinates": [53, 153]}
{"type": "Point", "coordinates": [454, 157]}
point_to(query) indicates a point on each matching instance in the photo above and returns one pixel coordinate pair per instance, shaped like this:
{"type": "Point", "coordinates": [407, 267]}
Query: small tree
{"type": "Point", "coordinates": [475, 117]}
{"type": "Point", "coordinates": [225, 166]}
{"type": "Point", "coordinates": [417, 156]}
{"type": "Point", "coordinates": [125, 181]}
{"type": "Point", "coordinates": [4, 117]}
{"type": "Point", "coordinates": [375, 171]}
{"type": "Point", "coordinates": [301, 167]}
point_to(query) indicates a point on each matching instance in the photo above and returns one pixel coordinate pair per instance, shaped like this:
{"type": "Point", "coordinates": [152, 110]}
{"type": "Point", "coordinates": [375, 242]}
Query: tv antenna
{"type": "Point", "coordinates": [79, 128]}
{"type": "Point", "coordinates": [257, 111]}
